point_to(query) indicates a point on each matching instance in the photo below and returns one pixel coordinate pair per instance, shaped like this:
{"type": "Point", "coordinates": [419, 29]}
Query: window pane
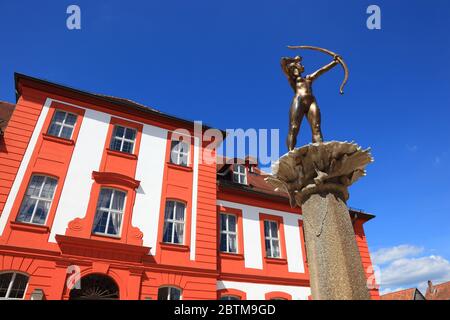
{"type": "Point", "coordinates": [175, 294]}
{"type": "Point", "coordinates": [54, 129]}
{"type": "Point", "coordinates": [183, 160]}
{"type": "Point", "coordinates": [66, 132]}
{"type": "Point", "coordinates": [26, 211]}
{"type": "Point", "coordinates": [59, 116]}
{"type": "Point", "coordinates": [18, 288]}
{"type": "Point", "coordinates": [41, 212]}
{"type": "Point", "coordinates": [223, 223]}
{"type": "Point", "coordinates": [114, 223]}
{"type": "Point", "coordinates": [163, 293]}
{"type": "Point", "coordinates": [5, 280]}
{"type": "Point", "coordinates": [167, 237]}
{"type": "Point", "coordinates": [223, 242]}
{"type": "Point", "coordinates": [268, 249]}
{"type": "Point", "coordinates": [174, 152]}
{"type": "Point", "coordinates": [231, 223]}
{"type": "Point", "coordinates": [119, 131]}
{"type": "Point", "coordinates": [179, 212]}
{"type": "Point", "coordinates": [274, 229]}
{"type": "Point", "coordinates": [276, 249]}
{"type": "Point", "coordinates": [35, 185]}
{"type": "Point", "coordinates": [266, 228]}
{"type": "Point", "coordinates": [100, 221]}
{"type": "Point", "coordinates": [169, 212]}
{"type": "Point", "coordinates": [127, 147]}
{"type": "Point", "coordinates": [48, 188]}
{"type": "Point", "coordinates": [118, 200]}
{"type": "Point", "coordinates": [179, 233]}
{"type": "Point", "coordinates": [130, 134]}
{"type": "Point", "coordinates": [115, 144]}
{"type": "Point", "coordinates": [232, 243]}
{"type": "Point", "coordinates": [71, 119]}
{"type": "Point", "coordinates": [104, 200]}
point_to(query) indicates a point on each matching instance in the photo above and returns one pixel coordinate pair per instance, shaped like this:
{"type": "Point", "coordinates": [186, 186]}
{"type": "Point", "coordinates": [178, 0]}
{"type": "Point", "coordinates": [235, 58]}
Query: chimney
{"type": "Point", "coordinates": [430, 287]}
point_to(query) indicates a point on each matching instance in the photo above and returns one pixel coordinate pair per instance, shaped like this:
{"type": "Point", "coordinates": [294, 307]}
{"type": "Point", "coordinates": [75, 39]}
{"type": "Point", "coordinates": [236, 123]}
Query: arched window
{"type": "Point", "coordinates": [38, 200]}
{"type": "Point", "coordinates": [95, 287]}
{"type": "Point", "coordinates": [169, 293]}
{"type": "Point", "coordinates": [13, 285]}
{"type": "Point", "coordinates": [229, 297]}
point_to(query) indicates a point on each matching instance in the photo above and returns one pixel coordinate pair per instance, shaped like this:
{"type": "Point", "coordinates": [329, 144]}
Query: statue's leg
{"type": "Point", "coordinates": [314, 120]}
{"type": "Point", "coordinates": [296, 114]}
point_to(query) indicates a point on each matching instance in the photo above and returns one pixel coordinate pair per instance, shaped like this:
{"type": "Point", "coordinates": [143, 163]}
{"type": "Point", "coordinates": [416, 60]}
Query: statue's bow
{"type": "Point", "coordinates": [334, 55]}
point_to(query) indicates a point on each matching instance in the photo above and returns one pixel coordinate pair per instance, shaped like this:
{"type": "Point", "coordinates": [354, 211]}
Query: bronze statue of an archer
{"type": "Point", "coordinates": [304, 103]}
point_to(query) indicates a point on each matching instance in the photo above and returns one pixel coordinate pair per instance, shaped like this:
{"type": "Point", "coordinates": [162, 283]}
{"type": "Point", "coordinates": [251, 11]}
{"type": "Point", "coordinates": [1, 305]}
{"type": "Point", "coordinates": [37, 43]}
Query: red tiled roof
{"type": "Point", "coordinates": [407, 294]}
{"type": "Point", "coordinates": [438, 291]}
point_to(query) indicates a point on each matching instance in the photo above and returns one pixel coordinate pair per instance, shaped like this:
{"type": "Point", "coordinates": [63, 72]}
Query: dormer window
{"type": "Point", "coordinates": [240, 174]}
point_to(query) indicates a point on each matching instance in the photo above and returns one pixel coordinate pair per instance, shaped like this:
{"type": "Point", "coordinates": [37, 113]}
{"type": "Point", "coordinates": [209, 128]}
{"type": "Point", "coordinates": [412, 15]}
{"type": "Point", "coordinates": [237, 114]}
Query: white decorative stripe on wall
{"type": "Point", "coordinates": [23, 166]}
{"type": "Point", "coordinates": [194, 196]}
{"type": "Point", "coordinates": [85, 159]}
{"type": "Point", "coordinates": [257, 291]}
{"type": "Point", "coordinates": [253, 252]}
{"type": "Point", "coordinates": [150, 172]}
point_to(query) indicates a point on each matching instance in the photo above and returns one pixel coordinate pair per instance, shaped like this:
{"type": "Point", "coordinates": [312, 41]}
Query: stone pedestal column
{"type": "Point", "coordinates": [316, 177]}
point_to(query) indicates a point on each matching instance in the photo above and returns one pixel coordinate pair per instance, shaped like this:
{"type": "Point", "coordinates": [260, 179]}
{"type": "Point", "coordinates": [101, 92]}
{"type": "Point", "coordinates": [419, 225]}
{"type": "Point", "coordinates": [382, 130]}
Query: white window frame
{"type": "Point", "coordinates": [123, 139]}
{"type": "Point", "coordinates": [38, 199]}
{"type": "Point", "coordinates": [63, 124]}
{"type": "Point", "coordinates": [174, 221]}
{"type": "Point", "coordinates": [238, 176]}
{"type": "Point", "coordinates": [11, 282]}
{"type": "Point", "coordinates": [110, 210]}
{"type": "Point", "coordinates": [169, 291]}
{"type": "Point", "coordinates": [179, 153]}
{"type": "Point", "coordinates": [227, 232]}
{"type": "Point", "coordinates": [272, 238]}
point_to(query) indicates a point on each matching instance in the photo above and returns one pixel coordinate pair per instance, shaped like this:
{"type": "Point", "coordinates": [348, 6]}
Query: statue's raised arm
{"type": "Point", "coordinates": [336, 57]}
{"type": "Point", "coordinates": [313, 76]}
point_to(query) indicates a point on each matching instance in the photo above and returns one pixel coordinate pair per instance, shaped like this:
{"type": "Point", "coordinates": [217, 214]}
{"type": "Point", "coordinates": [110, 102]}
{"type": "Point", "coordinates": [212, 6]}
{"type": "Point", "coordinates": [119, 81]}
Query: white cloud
{"type": "Point", "coordinates": [405, 272]}
{"type": "Point", "coordinates": [400, 268]}
{"type": "Point", "coordinates": [385, 255]}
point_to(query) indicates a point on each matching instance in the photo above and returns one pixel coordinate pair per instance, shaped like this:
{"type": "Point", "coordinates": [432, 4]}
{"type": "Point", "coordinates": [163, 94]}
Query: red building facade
{"type": "Point", "coordinates": [99, 192]}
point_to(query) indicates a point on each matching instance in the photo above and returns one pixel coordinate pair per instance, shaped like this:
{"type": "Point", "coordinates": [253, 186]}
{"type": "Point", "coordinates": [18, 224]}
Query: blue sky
{"type": "Point", "coordinates": [218, 61]}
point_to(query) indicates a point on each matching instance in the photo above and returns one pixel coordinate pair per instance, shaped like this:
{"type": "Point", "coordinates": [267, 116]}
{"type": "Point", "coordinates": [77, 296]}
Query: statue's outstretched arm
{"type": "Point", "coordinates": [284, 63]}
{"type": "Point", "coordinates": [321, 71]}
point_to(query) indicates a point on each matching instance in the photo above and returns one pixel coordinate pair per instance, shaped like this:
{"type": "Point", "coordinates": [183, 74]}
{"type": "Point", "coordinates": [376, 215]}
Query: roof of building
{"type": "Point", "coordinates": [438, 291]}
{"type": "Point", "coordinates": [6, 111]}
{"type": "Point", "coordinates": [406, 294]}
{"type": "Point", "coordinates": [122, 102]}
